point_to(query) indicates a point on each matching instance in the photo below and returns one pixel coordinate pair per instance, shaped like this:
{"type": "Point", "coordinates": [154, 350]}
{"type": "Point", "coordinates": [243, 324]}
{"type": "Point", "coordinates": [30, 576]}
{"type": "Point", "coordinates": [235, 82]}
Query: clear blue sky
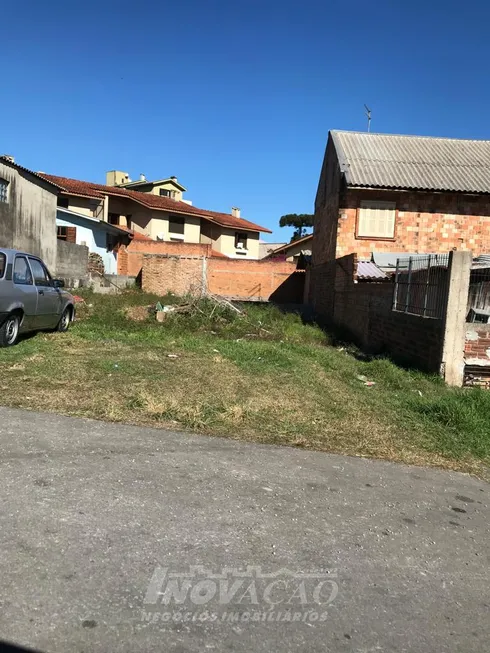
{"type": "Point", "coordinates": [235, 98]}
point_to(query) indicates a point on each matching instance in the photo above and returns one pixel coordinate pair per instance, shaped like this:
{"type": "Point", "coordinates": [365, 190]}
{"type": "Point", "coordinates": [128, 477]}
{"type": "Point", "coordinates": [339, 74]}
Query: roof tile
{"type": "Point", "coordinates": [89, 189]}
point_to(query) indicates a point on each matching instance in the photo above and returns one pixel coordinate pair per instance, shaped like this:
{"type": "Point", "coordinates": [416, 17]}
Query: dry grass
{"type": "Point", "coordinates": [287, 387]}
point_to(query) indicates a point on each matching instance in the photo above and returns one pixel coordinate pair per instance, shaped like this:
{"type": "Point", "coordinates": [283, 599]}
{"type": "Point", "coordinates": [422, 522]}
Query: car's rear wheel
{"type": "Point", "coordinates": [9, 331]}
{"type": "Point", "coordinates": [65, 320]}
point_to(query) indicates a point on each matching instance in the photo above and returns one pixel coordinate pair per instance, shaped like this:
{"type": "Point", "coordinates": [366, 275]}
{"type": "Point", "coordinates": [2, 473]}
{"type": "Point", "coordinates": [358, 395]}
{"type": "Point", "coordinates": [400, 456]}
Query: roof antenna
{"type": "Point", "coordinates": [368, 115]}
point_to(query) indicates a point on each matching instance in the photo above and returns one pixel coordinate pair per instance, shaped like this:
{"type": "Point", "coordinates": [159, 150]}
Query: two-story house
{"type": "Point", "coordinates": [159, 217]}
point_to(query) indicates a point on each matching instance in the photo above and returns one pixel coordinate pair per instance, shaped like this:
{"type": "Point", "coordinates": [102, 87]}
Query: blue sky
{"type": "Point", "coordinates": [234, 98]}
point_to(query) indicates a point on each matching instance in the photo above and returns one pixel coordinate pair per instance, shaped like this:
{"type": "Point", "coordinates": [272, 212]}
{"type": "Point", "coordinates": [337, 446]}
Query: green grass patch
{"type": "Point", "coordinates": [257, 375]}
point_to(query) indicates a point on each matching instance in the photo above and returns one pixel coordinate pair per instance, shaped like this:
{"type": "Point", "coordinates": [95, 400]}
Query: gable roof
{"type": "Point", "coordinates": [150, 201]}
{"type": "Point", "coordinates": [284, 249]}
{"type": "Point", "coordinates": [141, 183]}
{"type": "Point", "coordinates": [7, 161]}
{"type": "Point", "coordinates": [413, 162]}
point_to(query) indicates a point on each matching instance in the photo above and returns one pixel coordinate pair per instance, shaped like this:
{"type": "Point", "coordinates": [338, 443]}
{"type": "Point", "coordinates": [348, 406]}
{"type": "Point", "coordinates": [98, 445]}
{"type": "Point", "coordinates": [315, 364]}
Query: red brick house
{"type": "Point", "coordinates": [387, 193]}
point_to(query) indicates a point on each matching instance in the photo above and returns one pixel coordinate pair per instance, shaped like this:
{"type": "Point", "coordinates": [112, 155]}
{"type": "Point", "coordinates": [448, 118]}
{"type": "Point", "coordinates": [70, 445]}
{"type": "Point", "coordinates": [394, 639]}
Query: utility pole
{"type": "Point", "coordinates": [368, 115]}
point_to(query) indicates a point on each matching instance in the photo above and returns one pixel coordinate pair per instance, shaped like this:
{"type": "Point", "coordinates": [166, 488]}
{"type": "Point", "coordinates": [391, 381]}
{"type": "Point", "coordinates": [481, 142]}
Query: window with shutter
{"type": "Point", "coordinates": [376, 220]}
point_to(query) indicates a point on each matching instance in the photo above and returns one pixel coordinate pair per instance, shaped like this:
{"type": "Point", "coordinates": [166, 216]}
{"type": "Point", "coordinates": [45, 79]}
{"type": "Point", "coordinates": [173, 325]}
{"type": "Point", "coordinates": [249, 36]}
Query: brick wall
{"type": "Point", "coordinates": [130, 258]}
{"type": "Point", "coordinates": [71, 234]}
{"type": "Point", "coordinates": [327, 209]}
{"type": "Point", "coordinates": [162, 274]}
{"type": "Point", "coordinates": [425, 222]}
{"type": "Point", "coordinates": [477, 345]}
{"type": "Point", "coordinates": [363, 311]}
{"type": "Point", "coordinates": [410, 339]}
{"type": "Point", "coordinates": [321, 290]}
{"type": "Point", "coordinates": [250, 280]}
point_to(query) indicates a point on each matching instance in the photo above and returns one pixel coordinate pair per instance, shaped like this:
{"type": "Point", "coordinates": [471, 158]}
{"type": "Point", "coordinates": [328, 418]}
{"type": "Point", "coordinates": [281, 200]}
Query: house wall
{"type": "Point", "coordinates": [425, 223]}
{"type": "Point", "coordinates": [225, 243]}
{"type": "Point", "coordinates": [28, 218]}
{"type": "Point", "coordinates": [169, 186]}
{"type": "Point", "coordinates": [152, 223]}
{"type": "Point", "coordinates": [160, 223]}
{"type": "Point", "coordinates": [246, 280]}
{"type": "Point", "coordinates": [140, 215]}
{"type": "Point", "coordinates": [294, 250]}
{"type": "Point", "coordinates": [114, 178]}
{"type": "Point", "coordinates": [327, 209]}
{"type": "Point", "coordinates": [89, 207]}
{"type": "Point", "coordinates": [210, 234]}
{"type": "Point", "coordinates": [94, 237]}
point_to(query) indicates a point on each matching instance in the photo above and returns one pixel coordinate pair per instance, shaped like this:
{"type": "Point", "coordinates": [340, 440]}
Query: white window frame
{"type": "Point", "coordinates": [376, 220]}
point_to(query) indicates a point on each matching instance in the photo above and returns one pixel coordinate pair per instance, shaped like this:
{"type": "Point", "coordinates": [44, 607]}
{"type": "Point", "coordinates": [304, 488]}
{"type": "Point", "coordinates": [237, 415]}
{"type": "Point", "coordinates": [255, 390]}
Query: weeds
{"type": "Point", "coordinates": [258, 375]}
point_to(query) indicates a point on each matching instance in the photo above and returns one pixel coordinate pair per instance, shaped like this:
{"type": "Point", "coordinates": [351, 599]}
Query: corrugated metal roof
{"type": "Point", "coordinates": [368, 271]}
{"type": "Point", "coordinates": [481, 262]}
{"type": "Point", "coordinates": [413, 162]}
{"type": "Point", "coordinates": [387, 260]}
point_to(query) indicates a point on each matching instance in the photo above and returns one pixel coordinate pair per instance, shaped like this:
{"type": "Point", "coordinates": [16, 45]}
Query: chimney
{"type": "Point", "coordinates": [173, 178]}
{"type": "Point", "coordinates": [235, 212]}
{"type": "Point", "coordinates": [9, 157]}
{"type": "Point", "coordinates": [142, 177]}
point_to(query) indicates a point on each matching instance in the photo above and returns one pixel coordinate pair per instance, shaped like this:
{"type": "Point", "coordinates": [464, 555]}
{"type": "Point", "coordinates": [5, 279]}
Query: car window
{"type": "Point", "coordinates": [3, 260]}
{"type": "Point", "coordinates": [22, 273]}
{"type": "Point", "coordinates": [39, 272]}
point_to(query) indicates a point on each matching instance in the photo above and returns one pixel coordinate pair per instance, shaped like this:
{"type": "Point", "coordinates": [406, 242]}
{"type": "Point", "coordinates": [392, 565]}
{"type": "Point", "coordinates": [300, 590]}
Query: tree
{"type": "Point", "coordinates": [300, 221]}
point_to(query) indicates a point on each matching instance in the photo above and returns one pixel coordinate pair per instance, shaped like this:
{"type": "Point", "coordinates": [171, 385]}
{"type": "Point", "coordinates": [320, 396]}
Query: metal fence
{"type": "Point", "coordinates": [421, 285]}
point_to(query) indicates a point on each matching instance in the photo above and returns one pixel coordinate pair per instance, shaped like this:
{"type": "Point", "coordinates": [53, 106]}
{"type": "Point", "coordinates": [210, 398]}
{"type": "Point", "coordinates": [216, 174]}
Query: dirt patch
{"type": "Point", "coordinates": [137, 313]}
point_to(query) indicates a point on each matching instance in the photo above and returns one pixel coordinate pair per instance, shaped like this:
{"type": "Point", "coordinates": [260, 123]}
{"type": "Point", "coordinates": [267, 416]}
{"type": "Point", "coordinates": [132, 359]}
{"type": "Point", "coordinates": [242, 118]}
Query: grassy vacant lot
{"type": "Point", "coordinates": [265, 377]}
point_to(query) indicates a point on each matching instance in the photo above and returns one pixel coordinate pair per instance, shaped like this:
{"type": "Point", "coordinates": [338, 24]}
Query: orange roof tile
{"type": "Point", "coordinates": [89, 189]}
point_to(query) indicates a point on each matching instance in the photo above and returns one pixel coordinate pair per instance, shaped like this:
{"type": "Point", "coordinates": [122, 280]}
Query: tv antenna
{"type": "Point", "coordinates": [368, 116]}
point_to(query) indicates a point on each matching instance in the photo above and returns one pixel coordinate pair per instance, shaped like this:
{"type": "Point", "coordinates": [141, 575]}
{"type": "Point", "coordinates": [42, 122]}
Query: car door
{"type": "Point", "coordinates": [25, 292]}
{"type": "Point", "coordinates": [48, 298]}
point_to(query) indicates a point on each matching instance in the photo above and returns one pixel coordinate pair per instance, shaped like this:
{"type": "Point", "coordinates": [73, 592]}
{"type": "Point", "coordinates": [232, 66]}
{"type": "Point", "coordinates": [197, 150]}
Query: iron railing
{"type": "Point", "coordinates": [421, 285]}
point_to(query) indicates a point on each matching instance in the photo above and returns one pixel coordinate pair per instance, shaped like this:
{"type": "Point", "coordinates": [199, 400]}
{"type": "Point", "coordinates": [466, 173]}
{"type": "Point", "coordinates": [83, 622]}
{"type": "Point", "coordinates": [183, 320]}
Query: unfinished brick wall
{"type": "Point", "coordinates": [410, 339]}
{"type": "Point", "coordinates": [321, 291]}
{"type": "Point", "coordinates": [425, 222]}
{"type": "Point", "coordinates": [248, 280]}
{"type": "Point", "coordinates": [364, 311]}
{"type": "Point", "coordinates": [130, 258]}
{"type": "Point", "coordinates": [162, 274]}
{"type": "Point", "coordinates": [477, 345]}
{"type": "Point", "coordinates": [327, 209]}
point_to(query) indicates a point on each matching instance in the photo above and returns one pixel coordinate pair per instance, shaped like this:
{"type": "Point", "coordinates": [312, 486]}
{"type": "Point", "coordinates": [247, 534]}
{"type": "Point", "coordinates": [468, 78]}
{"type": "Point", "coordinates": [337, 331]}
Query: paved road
{"type": "Point", "coordinates": [92, 514]}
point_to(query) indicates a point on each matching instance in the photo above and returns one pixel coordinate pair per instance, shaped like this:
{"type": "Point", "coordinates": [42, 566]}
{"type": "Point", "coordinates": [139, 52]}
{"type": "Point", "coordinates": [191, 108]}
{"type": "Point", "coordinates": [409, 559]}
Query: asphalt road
{"type": "Point", "coordinates": [105, 528]}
